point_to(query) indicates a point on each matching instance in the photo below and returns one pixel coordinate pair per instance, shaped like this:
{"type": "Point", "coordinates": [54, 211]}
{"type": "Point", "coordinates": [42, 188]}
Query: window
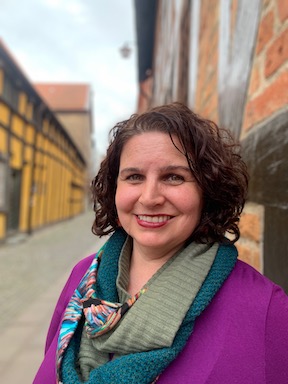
{"type": "Point", "coordinates": [10, 93]}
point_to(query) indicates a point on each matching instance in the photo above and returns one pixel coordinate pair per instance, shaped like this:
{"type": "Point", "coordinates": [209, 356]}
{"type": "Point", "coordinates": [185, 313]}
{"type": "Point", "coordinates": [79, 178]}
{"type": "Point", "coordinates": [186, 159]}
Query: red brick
{"type": "Point", "coordinates": [208, 37]}
{"type": "Point", "coordinates": [265, 31]}
{"type": "Point", "coordinates": [282, 9]}
{"type": "Point", "coordinates": [277, 54]}
{"type": "Point", "coordinates": [249, 226]}
{"type": "Point", "coordinates": [272, 99]}
{"type": "Point", "coordinates": [211, 106]}
{"type": "Point", "coordinates": [250, 255]}
{"type": "Point", "coordinates": [255, 80]}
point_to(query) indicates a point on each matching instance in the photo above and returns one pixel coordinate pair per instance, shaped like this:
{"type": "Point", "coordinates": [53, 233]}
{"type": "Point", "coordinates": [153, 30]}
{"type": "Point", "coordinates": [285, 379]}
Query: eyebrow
{"type": "Point", "coordinates": [169, 168]}
{"type": "Point", "coordinates": [172, 168]}
{"type": "Point", "coordinates": [129, 170]}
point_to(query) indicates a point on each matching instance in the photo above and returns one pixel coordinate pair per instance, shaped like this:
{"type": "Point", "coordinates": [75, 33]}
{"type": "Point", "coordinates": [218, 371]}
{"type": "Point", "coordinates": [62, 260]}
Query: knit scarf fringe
{"type": "Point", "coordinates": [144, 367]}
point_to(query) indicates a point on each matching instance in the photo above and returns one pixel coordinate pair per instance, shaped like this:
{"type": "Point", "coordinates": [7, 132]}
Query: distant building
{"type": "Point", "coordinates": [42, 171]}
{"type": "Point", "coordinates": [228, 61]}
{"type": "Point", "coordinates": [72, 105]}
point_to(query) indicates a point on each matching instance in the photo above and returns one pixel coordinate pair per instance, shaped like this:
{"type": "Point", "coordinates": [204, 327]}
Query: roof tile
{"type": "Point", "coordinates": [65, 96]}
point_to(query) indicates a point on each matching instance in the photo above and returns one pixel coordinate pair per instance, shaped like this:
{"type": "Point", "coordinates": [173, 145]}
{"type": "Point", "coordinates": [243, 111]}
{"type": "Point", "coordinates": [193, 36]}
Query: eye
{"type": "Point", "coordinates": [134, 178]}
{"type": "Point", "coordinates": [174, 179]}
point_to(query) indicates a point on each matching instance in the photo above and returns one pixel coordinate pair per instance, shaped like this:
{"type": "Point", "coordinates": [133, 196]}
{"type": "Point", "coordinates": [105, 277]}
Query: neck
{"type": "Point", "coordinates": [143, 265]}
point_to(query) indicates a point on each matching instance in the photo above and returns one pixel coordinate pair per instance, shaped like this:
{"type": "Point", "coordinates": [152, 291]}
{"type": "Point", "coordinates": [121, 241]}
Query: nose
{"type": "Point", "coordinates": [151, 194]}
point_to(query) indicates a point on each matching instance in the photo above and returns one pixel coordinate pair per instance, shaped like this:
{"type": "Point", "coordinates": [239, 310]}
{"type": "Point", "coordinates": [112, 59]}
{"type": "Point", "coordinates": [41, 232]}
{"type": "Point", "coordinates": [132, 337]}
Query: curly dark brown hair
{"type": "Point", "coordinates": [213, 157]}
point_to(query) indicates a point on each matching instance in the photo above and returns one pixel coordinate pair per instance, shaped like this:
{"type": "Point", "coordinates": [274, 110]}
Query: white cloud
{"type": "Point", "coordinates": [52, 3]}
{"type": "Point", "coordinates": [77, 41]}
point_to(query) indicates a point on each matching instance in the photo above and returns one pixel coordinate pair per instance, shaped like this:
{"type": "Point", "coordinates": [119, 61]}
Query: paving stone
{"type": "Point", "coordinates": [33, 273]}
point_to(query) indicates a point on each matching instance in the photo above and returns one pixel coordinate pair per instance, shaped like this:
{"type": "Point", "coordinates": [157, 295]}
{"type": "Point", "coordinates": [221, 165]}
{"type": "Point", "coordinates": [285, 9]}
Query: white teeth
{"type": "Point", "coordinates": [154, 219]}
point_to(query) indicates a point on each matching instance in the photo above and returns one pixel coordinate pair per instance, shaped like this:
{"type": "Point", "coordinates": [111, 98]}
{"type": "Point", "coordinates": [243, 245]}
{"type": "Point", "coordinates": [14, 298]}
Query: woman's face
{"type": "Point", "coordinates": [158, 201]}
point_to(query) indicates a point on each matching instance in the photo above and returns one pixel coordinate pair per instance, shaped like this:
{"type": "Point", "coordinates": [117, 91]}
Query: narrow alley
{"type": "Point", "coordinates": [33, 273]}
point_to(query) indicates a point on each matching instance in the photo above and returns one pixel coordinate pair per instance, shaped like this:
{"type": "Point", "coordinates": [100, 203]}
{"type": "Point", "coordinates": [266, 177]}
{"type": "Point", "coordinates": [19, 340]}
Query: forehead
{"type": "Point", "coordinates": [153, 146]}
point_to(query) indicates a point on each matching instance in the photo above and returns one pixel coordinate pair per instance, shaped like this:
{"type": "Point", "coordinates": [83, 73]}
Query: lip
{"type": "Point", "coordinates": [153, 221]}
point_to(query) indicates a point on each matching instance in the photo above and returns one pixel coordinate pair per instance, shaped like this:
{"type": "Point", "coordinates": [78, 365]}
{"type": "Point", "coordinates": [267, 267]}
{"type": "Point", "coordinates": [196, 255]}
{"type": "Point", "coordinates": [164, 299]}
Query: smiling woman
{"type": "Point", "coordinates": [165, 299]}
{"type": "Point", "coordinates": [210, 154]}
{"type": "Point", "coordinates": [158, 201]}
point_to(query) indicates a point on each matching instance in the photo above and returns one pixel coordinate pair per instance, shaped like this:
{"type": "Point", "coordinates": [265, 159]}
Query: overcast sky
{"type": "Point", "coordinates": [77, 41]}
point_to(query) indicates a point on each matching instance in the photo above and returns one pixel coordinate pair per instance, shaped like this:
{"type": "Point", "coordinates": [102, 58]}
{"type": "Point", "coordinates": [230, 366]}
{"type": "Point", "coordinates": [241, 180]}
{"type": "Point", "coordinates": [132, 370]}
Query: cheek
{"type": "Point", "coordinates": [123, 198]}
{"type": "Point", "coordinates": [118, 198]}
{"type": "Point", "coordinates": [192, 204]}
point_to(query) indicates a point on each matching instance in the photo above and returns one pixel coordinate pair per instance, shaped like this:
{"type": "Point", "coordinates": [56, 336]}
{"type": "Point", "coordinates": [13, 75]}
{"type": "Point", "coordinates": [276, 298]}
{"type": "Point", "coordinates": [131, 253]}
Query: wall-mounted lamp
{"type": "Point", "coordinates": [125, 51]}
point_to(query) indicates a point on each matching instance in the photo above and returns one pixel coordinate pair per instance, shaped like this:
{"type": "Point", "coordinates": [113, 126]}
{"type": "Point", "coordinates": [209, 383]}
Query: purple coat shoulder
{"type": "Point", "coordinates": [241, 337]}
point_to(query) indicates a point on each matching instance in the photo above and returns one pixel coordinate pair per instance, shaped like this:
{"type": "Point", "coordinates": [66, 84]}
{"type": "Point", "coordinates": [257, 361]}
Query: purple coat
{"type": "Point", "coordinates": [241, 337]}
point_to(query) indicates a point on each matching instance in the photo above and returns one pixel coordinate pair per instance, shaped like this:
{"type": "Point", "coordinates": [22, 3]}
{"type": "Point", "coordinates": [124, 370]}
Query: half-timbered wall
{"type": "Point", "coordinates": [236, 75]}
{"type": "Point", "coordinates": [42, 173]}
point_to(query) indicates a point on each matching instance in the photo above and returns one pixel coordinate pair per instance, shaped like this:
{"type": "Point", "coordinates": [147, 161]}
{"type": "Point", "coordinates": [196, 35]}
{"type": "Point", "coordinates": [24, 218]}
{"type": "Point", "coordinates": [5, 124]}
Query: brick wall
{"type": "Point", "coordinates": [267, 95]}
{"type": "Point", "coordinates": [252, 101]}
{"type": "Point", "coordinates": [267, 92]}
{"type": "Point", "coordinates": [206, 102]}
{"type": "Point", "coordinates": [250, 246]}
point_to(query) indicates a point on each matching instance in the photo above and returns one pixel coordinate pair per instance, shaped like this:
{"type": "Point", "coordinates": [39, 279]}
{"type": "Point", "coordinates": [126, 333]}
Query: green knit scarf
{"type": "Point", "coordinates": [154, 319]}
{"type": "Point", "coordinates": [144, 367]}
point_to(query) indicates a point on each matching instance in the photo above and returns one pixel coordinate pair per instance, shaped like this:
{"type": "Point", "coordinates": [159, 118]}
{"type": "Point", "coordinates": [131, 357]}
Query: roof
{"type": "Point", "coordinates": [65, 97]}
{"type": "Point", "coordinates": [14, 65]}
{"type": "Point", "coordinates": [20, 79]}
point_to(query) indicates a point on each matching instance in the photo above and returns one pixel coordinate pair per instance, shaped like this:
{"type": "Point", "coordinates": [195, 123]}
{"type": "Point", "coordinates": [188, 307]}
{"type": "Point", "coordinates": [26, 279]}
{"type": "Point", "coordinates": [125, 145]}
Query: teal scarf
{"type": "Point", "coordinates": [143, 367]}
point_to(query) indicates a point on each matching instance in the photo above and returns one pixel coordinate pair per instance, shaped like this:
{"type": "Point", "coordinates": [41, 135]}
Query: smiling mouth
{"type": "Point", "coordinates": [154, 219]}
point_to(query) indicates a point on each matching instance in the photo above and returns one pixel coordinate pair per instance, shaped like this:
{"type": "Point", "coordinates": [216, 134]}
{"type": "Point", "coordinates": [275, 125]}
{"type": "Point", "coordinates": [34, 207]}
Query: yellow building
{"type": "Point", "coordinates": [42, 172]}
{"type": "Point", "coordinates": [72, 105]}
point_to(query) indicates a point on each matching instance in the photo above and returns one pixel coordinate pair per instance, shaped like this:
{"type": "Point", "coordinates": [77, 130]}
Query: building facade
{"type": "Point", "coordinates": [42, 171]}
{"type": "Point", "coordinates": [228, 61]}
{"type": "Point", "coordinates": [72, 105]}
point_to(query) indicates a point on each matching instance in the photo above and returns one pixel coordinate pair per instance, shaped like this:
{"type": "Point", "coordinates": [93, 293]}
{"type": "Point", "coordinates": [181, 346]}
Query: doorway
{"type": "Point", "coordinates": [14, 193]}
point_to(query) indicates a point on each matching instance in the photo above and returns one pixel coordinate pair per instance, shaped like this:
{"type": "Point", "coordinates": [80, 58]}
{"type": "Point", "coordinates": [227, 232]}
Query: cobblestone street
{"type": "Point", "coordinates": [33, 272]}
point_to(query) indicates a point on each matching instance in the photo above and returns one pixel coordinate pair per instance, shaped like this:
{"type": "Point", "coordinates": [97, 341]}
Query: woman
{"type": "Point", "coordinates": [165, 299]}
